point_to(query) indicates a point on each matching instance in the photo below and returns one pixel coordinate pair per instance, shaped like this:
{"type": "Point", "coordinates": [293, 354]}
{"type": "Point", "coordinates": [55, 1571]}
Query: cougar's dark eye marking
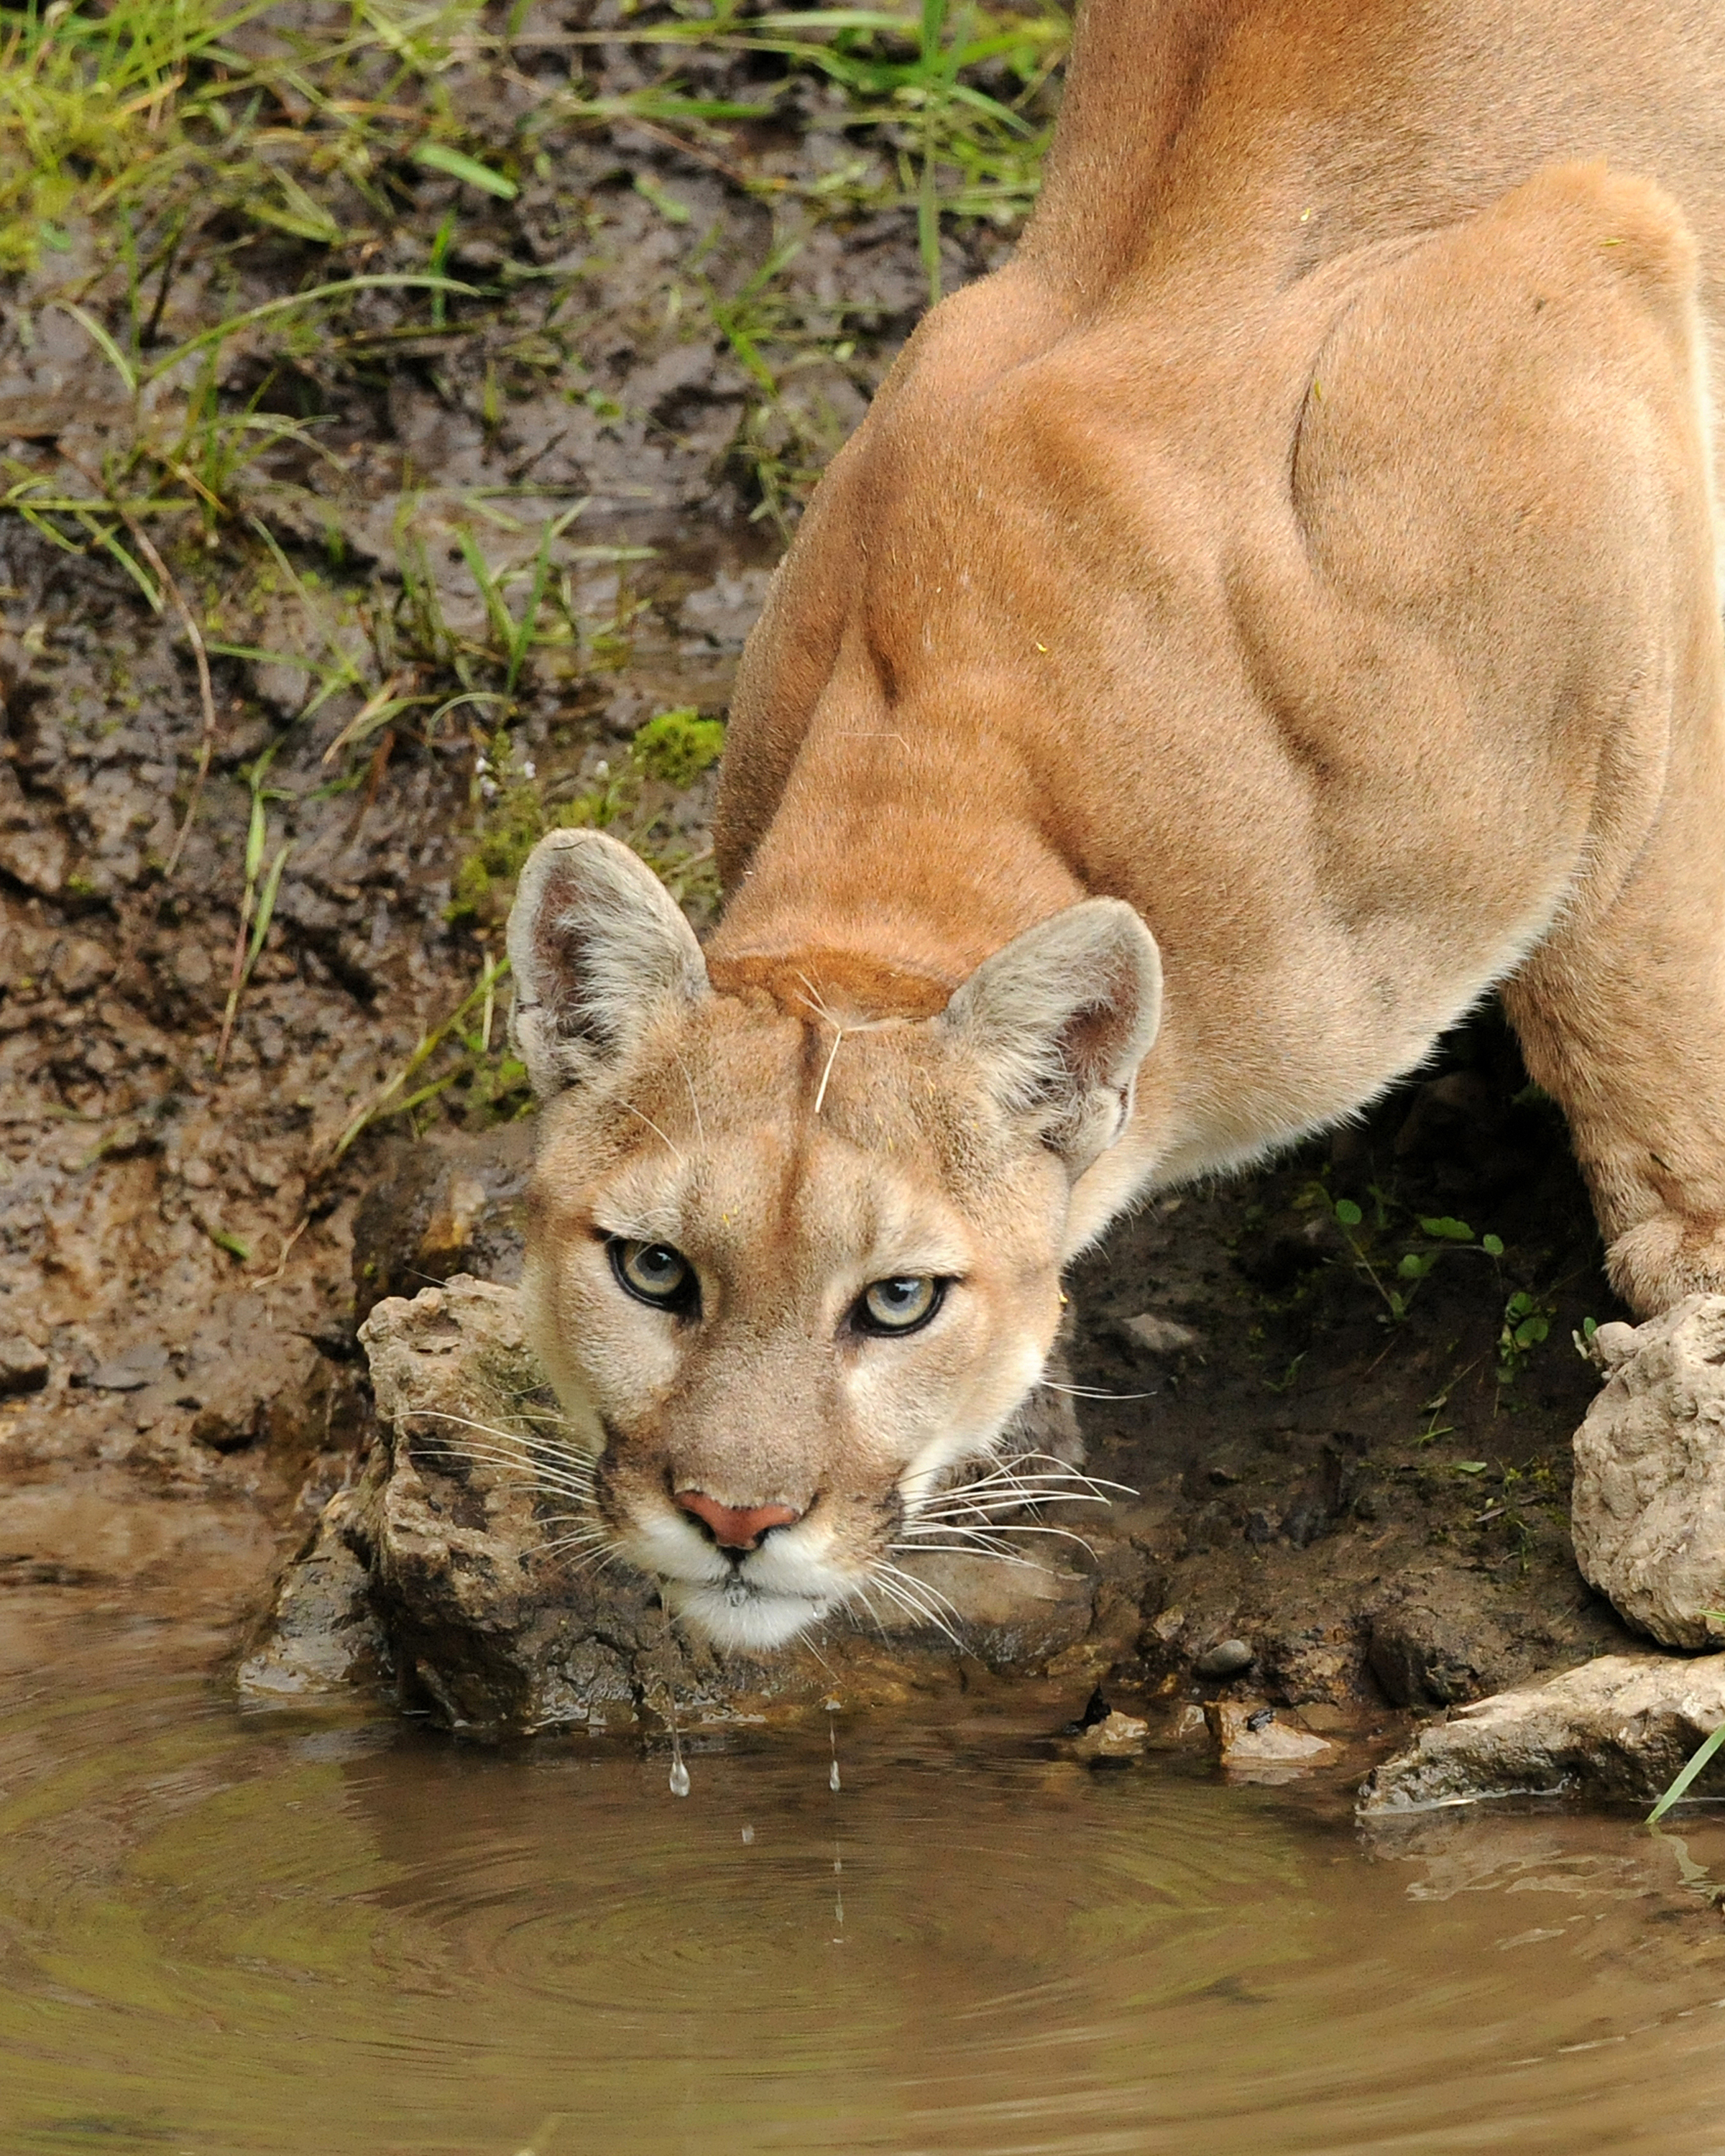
{"type": "Point", "coordinates": [887, 1308]}
{"type": "Point", "coordinates": [655, 1273]}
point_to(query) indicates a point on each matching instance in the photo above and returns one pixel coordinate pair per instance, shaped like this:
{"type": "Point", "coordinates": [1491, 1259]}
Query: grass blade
{"type": "Point", "coordinates": [100, 337]}
{"type": "Point", "coordinates": [416, 281]}
{"type": "Point", "coordinates": [133, 569]}
{"type": "Point", "coordinates": [1680, 1787]}
{"type": "Point", "coordinates": [441, 158]}
{"type": "Point", "coordinates": [522, 638]}
{"type": "Point", "coordinates": [266, 905]}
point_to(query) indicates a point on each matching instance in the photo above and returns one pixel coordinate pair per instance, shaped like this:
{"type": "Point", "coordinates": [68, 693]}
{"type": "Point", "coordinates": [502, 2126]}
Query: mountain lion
{"type": "Point", "coordinates": [1275, 608]}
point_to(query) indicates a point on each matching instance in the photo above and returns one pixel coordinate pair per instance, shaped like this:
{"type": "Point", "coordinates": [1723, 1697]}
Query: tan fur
{"type": "Point", "coordinates": [1308, 539]}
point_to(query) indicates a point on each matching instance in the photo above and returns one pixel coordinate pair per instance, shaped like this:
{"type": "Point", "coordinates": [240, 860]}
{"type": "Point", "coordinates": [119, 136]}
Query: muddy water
{"type": "Point", "coordinates": [229, 1931]}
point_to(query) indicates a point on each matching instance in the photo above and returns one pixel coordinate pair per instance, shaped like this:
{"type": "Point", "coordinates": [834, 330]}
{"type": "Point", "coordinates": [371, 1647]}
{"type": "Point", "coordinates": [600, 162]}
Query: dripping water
{"type": "Point", "coordinates": [836, 1783]}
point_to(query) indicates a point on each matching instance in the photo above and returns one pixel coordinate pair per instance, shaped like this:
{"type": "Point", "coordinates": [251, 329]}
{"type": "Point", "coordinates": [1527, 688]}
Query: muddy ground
{"type": "Point", "coordinates": [1373, 1497]}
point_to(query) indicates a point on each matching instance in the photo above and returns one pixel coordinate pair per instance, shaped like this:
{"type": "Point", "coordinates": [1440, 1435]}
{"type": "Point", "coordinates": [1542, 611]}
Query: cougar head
{"type": "Point", "coordinates": [794, 1249]}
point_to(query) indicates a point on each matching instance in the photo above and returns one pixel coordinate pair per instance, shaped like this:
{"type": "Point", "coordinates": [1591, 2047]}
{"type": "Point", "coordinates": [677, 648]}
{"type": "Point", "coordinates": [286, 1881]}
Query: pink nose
{"type": "Point", "coordinates": [736, 1526]}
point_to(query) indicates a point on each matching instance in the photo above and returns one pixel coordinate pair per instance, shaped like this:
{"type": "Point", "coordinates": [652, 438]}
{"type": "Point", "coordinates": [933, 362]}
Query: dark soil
{"type": "Point", "coordinates": [1363, 1498]}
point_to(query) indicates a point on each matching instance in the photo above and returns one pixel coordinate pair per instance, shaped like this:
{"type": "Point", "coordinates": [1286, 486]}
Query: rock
{"type": "Point", "coordinates": [24, 1367]}
{"type": "Point", "coordinates": [1162, 1336]}
{"type": "Point", "coordinates": [1421, 1659]}
{"type": "Point", "coordinates": [322, 1630]}
{"type": "Point", "coordinates": [1117, 1735]}
{"type": "Point", "coordinates": [1619, 1726]}
{"type": "Point", "coordinates": [131, 1370]}
{"type": "Point", "coordinates": [1253, 1737]}
{"type": "Point", "coordinates": [32, 852]}
{"type": "Point", "coordinates": [1648, 1512]}
{"type": "Point", "coordinates": [1314, 1665]}
{"type": "Point", "coordinates": [446, 1205]}
{"type": "Point", "coordinates": [81, 964]}
{"type": "Point", "coordinates": [247, 1384]}
{"type": "Point", "coordinates": [1227, 1658]}
{"type": "Point", "coordinates": [492, 1621]}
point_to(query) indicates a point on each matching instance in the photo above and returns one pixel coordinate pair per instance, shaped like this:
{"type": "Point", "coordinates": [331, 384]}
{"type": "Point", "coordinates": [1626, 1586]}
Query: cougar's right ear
{"type": "Point", "coordinates": [1058, 1021]}
{"type": "Point", "coordinates": [599, 951]}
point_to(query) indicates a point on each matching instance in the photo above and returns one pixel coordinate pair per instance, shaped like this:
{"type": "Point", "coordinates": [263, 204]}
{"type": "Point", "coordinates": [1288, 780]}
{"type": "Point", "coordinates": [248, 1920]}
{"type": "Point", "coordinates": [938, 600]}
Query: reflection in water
{"type": "Point", "coordinates": [232, 1933]}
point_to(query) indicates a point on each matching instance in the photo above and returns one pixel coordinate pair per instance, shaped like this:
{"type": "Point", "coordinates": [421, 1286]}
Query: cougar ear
{"type": "Point", "coordinates": [598, 949]}
{"type": "Point", "coordinates": [1059, 1021]}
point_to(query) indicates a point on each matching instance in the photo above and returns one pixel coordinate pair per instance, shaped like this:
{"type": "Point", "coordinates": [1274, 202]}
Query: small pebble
{"type": "Point", "coordinates": [1226, 1659]}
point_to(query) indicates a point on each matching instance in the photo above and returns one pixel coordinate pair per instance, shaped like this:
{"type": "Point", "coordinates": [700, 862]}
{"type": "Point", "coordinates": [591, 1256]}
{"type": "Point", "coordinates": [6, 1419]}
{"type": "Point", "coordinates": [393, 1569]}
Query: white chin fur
{"type": "Point", "coordinates": [746, 1622]}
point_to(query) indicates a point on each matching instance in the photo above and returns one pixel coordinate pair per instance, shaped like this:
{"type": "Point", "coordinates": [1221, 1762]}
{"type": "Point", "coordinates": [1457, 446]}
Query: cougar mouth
{"type": "Point", "coordinates": [738, 1614]}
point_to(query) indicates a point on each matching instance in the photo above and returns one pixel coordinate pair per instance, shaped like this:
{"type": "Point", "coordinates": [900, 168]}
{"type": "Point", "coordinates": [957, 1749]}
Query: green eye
{"type": "Point", "coordinates": [655, 1273]}
{"type": "Point", "coordinates": [905, 1305]}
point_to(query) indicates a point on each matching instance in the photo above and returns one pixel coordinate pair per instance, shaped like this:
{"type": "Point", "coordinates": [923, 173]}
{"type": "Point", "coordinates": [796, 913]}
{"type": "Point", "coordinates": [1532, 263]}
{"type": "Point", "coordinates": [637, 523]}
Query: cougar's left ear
{"type": "Point", "coordinates": [599, 952]}
{"type": "Point", "coordinates": [1059, 1021]}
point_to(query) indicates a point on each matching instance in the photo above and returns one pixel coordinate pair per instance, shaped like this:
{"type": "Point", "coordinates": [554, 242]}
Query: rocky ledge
{"type": "Point", "coordinates": [1617, 1728]}
{"type": "Point", "coordinates": [451, 1570]}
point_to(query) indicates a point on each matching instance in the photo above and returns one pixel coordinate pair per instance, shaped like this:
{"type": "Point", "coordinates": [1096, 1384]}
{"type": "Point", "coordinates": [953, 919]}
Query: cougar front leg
{"type": "Point", "coordinates": [1623, 1020]}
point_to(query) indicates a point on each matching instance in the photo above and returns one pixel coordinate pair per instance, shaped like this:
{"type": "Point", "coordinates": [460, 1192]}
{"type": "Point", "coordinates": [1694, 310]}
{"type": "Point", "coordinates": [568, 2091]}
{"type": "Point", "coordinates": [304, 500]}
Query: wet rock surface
{"type": "Point", "coordinates": [1619, 1727]}
{"type": "Point", "coordinates": [1264, 1744]}
{"type": "Point", "coordinates": [457, 1205]}
{"type": "Point", "coordinates": [1649, 1506]}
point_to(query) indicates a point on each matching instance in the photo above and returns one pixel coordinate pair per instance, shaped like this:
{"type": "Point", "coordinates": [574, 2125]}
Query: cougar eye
{"type": "Point", "coordinates": [898, 1305]}
{"type": "Point", "coordinates": [655, 1273]}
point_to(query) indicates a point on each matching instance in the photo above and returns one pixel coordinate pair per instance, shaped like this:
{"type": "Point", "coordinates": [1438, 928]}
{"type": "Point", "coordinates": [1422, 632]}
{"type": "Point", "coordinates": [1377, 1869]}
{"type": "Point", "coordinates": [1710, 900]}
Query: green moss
{"type": "Point", "coordinates": [678, 745]}
{"type": "Point", "coordinates": [513, 830]}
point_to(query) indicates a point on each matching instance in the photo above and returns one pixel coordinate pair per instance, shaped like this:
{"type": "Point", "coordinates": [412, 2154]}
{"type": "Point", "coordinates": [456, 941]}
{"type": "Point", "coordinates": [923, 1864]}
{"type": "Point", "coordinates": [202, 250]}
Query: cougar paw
{"type": "Point", "coordinates": [1664, 1257]}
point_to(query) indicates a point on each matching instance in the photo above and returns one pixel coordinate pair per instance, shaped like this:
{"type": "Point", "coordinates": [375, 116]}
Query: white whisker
{"type": "Point", "coordinates": [573, 1455]}
{"type": "Point", "coordinates": [700, 1134]}
{"type": "Point", "coordinates": [574, 1542]}
{"type": "Point", "coordinates": [656, 1131]}
{"type": "Point", "coordinates": [902, 1603]}
{"type": "Point", "coordinates": [1090, 1392]}
{"type": "Point", "coordinates": [862, 1596]}
{"type": "Point", "coordinates": [821, 1092]}
{"type": "Point", "coordinates": [530, 1474]}
{"type": "Point", "coordinates": [970, 1549]}
{"type": "Point", "coordinates": [921, 1594]}
{"type": "Point", "coordinates": [983, 1529]}
{"type": "Point", "coordinates": [596, 1559]}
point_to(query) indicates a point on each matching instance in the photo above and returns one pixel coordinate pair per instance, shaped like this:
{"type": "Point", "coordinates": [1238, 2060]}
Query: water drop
{"type": "Point", "coordinates": [748, 1834]}
{"type": "Point", "coordinates": [833, 1781]}
{"type": "Point", "coordinates": [678, 1779]}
